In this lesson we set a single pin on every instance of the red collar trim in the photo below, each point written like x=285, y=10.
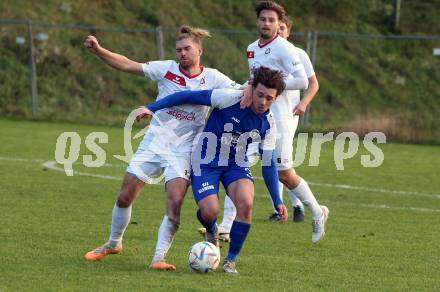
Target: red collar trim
x=271, y=40
x=191, y=76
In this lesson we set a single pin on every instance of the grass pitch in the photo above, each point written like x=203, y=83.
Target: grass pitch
x=382, y=234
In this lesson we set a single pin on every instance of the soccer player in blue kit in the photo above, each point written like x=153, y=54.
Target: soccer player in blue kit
x=219, y=153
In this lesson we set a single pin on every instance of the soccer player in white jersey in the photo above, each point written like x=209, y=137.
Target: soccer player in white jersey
x=166, y=147
x=277, y=53
x=299, y=107
x=287, y=123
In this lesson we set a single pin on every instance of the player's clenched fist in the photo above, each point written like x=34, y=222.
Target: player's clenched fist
x=246, y=100
x=143, y=113
x=92, y=44
x=300, y=109
x=282, y=210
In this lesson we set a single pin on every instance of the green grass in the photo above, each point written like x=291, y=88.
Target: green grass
x=375, y=240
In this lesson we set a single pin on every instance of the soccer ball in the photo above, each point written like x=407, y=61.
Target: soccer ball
x=203, y=257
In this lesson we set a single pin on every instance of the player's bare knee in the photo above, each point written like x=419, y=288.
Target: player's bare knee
x=244, y=208
x=289, y=178
x=209, y=217
x=247, y=205
x=209, y=213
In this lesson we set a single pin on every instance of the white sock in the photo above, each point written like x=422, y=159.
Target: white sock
x=229, y=213
x=303, y=192
x=120, y=219
x=165, y=237
x=281, y=188
x=295, y=201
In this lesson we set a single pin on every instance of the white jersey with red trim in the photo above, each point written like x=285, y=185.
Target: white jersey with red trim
x=277, y=54
x=174, y=129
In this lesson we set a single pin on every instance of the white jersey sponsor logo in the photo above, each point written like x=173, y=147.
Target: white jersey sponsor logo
x=190, y=119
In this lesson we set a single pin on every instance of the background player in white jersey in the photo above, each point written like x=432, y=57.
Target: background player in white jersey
x=277, y=53
x=274, y=52
x=156, y=155
x=299, y=107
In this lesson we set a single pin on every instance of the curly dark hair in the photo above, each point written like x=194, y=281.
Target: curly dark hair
x=270, y=5
x=269, y=78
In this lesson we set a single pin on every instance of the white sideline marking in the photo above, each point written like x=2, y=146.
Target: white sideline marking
x=375, y=190
x=20, y=159
x=368, y=189
x=53, y=165
x=374, y=206
x=40, y=160
x=397, y=208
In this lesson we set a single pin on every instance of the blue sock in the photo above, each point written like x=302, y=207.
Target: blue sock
x=239, y=232
x=211, y=227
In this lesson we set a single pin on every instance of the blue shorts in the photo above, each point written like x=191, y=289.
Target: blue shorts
x=208, y=182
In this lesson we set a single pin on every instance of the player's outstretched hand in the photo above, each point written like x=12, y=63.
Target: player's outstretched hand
x=282, y=210
x=300, y=109
x=246, y=100
x=143, y=113
x=91, y=43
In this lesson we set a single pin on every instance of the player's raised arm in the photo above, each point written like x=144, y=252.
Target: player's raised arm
x=116, y=61
x=200, y=97
x=219, y=98
x=224, y=82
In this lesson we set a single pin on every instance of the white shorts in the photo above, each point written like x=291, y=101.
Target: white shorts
x=151, y=167
x=284, y=143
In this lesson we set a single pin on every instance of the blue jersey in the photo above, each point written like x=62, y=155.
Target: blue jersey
x=234, y=129
x=228, y=132
x=229, y=129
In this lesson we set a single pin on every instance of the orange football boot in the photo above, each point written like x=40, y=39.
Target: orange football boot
x=162, y=266
x=100, y=252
